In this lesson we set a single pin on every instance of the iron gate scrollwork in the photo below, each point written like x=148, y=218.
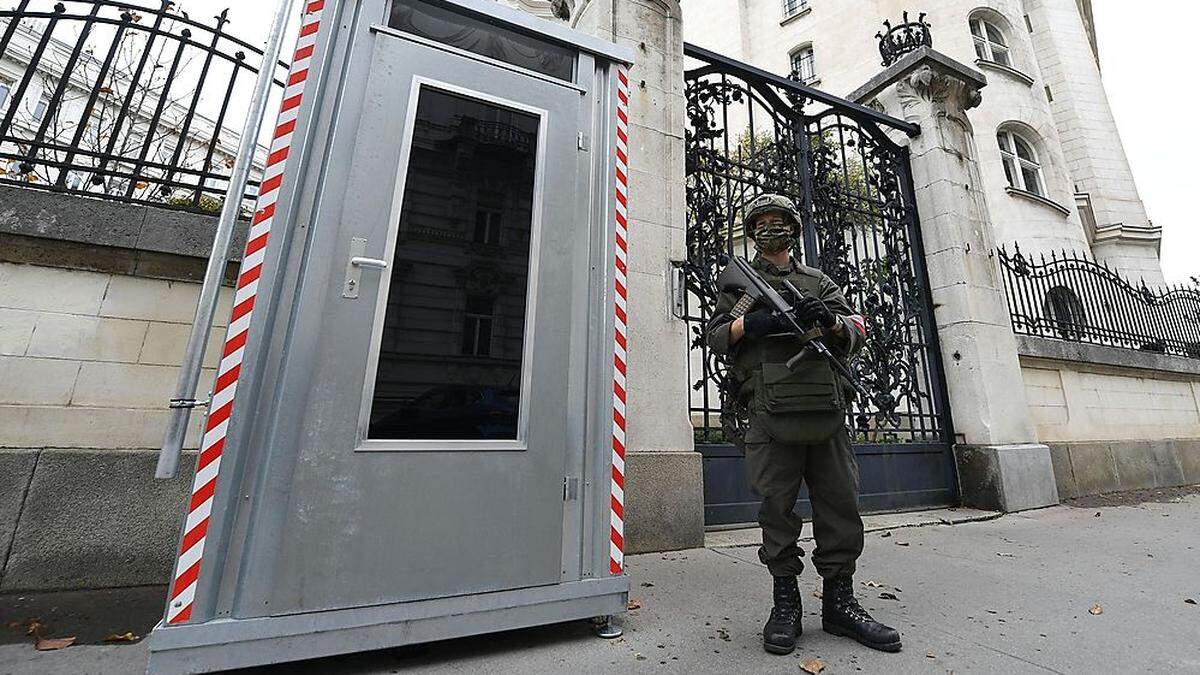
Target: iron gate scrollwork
x=749, y=132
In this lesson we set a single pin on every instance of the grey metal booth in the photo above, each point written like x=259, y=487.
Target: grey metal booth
x=421, y=443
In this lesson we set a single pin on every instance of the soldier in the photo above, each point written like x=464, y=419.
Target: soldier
x=797, y=432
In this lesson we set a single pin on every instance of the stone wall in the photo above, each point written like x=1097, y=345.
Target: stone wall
x=90, y=359
x=1114, y=419
x=96, y=301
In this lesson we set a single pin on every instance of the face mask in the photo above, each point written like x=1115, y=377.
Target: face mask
x=773, y=237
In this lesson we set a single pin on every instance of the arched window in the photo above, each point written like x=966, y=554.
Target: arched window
x=1021, y=165
x=1065, y=313
x=990, y=43
x=803, y=65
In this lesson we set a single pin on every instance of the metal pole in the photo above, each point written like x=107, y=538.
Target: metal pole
x=189, y=374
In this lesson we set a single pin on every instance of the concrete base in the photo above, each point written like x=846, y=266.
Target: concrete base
x=664, y=501
x=1006, y=477
x=1095, y=467
x=87, y=519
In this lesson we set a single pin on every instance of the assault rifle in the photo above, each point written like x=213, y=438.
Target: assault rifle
x=740, y=277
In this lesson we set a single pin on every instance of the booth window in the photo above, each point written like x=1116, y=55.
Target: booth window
x=453, y=338
x=441, y=24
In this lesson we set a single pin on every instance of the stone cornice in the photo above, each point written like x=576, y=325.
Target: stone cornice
x=933, y=71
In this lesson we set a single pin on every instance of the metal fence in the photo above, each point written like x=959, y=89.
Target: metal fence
x=123, y=101
x=1069, y=297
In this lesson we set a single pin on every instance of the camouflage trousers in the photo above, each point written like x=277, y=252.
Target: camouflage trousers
x=776, y=470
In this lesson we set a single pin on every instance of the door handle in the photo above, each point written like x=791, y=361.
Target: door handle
x=355, y=266
x=373, y=263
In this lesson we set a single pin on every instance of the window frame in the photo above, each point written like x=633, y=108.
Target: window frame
x=793, y=7
x=795, y=58
x=983, y=40
x=43, y=102
x=1015, y=173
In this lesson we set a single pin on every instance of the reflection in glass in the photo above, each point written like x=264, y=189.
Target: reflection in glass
x=454, y=328
x=430, y=20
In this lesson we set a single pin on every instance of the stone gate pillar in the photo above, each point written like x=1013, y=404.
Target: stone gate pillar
x=664, y=501
x=1000, y=463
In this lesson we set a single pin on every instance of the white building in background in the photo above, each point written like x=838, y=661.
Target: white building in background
x=1055, y=173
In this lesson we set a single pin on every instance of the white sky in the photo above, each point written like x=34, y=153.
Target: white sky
x=1148, y=58
x=1147, y=55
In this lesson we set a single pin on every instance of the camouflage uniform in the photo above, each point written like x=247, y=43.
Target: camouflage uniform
x=797, y=427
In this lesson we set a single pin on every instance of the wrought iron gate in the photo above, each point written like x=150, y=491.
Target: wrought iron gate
x=749, y=132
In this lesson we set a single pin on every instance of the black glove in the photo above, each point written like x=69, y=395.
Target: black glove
x=812, y=312
x=762, y=322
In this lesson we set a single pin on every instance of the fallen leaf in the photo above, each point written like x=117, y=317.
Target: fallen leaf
x=647, y=584
x=930, y=655
x=1190, y=601
x=127, y=636
x=873, y=584
x=888, y=596
x=902, y=543
x=885, y=535
x=639, y=657
x=50, y=644
x=1097, y=515
x=1096, y=610
x=1005, y=555
x=723, y=634
x=634, y=604
x=34, y=627
x=818, y=595
x=812, y=666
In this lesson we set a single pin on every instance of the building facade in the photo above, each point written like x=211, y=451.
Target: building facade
x=1055, y=174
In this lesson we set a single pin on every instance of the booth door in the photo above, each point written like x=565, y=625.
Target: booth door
x=431, y=458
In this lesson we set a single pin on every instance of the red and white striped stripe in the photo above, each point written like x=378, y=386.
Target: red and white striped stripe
x=191, y=550
x=617, y=547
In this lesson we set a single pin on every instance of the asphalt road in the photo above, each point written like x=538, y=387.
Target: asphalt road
x=1012, y=595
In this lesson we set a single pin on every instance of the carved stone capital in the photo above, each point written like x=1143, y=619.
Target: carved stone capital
x=928, y=92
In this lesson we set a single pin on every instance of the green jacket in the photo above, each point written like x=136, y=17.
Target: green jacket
x=806, y=405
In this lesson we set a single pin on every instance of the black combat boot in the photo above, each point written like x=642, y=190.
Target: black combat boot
x=842, y=615
x=782, y=629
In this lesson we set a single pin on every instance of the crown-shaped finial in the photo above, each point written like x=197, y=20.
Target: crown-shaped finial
x=897, y=41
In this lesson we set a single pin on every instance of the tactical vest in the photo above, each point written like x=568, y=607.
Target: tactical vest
x=802, y=406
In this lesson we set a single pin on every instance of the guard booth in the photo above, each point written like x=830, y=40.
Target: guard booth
x=413, y=435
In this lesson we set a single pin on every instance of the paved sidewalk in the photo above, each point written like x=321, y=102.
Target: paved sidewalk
x=1007, y=595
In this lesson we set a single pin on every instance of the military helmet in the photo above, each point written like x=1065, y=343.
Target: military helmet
x=765, y=203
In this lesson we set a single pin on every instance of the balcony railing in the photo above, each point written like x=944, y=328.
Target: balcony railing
x=1069, y=297
x=124, y=102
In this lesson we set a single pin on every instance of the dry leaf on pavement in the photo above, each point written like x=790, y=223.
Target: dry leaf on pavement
x=812, y=666
x=819, y=595
x=127, y=636
x=634, y=604
x=885, y=534
x=888, y=596
x=1005, y=555
x=902, y=543
x=930, y=655
x=1096, y=609
x=34, y=627
x=873, y=584
x=1190, y=601
x=50, y=644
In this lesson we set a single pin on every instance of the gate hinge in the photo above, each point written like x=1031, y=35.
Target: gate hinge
x=570, y=488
